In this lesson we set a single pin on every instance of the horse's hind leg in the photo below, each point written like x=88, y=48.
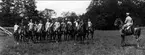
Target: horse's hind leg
x=138, y=40
x=87, y=35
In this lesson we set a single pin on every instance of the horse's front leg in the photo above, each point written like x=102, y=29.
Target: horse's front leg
x=55, y=36
x=123, y=40
x=20, y=37
x=87, y=35
x=58, y=36
x=63, y=34
x=46, y=36
x=92, y=34
x=138, y=40
x=39, y=37
x=66, y=38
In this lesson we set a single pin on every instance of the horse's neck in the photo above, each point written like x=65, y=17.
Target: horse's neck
x=120, y=26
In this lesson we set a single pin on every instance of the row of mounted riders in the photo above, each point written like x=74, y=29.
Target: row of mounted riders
x=70, y=32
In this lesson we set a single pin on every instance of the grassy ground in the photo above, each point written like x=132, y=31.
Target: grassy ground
x=104, y=43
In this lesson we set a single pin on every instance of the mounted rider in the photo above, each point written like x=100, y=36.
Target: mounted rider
x=57, y=25
x=35, y=26
x=31, y=25
x=81, y=23
x=89, y=24
x=30, y=29
x=63, y=25
x=21, y=27
x=76, y=24
x=47, y=25
x=69, y=26
x=39, y=26
x=69, y=23
x=128, y=22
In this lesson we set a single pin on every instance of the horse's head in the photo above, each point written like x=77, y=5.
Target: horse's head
x=118, y=23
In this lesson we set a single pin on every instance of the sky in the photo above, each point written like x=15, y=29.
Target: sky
x=60, y=6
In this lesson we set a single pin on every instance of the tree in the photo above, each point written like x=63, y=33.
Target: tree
x=48, y=13
x=65, y=14
x=14, y=10
x=70, y=15
x=108, y=10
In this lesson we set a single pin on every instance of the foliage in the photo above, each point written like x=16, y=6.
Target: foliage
x=110, y=9
x=70, y=15
x=47, y=13
x=15, y=10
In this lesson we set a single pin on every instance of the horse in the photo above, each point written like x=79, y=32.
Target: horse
x=89, y=31
x=63, y=30
x=30, y=32
x=40, y=32
x=16, y=34
x=75, y=30
x=35, y=37
x=69, y=32
x=133, y=30
x=48, y=33
x=21, y=34
x=82, y=31
x=52, y=32
x=56, y=33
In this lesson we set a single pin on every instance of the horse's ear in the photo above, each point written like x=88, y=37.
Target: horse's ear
x=115, y=22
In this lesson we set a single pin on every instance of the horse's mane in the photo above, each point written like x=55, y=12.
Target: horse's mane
x=118, y=22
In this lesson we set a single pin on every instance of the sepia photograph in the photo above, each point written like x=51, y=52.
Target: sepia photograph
x=72, y=27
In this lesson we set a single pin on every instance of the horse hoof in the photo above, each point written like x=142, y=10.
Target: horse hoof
x=138, y=46
x=123, y=44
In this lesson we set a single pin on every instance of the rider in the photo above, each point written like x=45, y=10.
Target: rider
x=35, y=26
x=89, y=23
x=57, y=25
x=16, y=26
x=30, y=25
x=128, y=21
x=63, y=23
x=69, y=22
x=76, y=23
x=81, y=22
x=39, y=26
x=47, y=25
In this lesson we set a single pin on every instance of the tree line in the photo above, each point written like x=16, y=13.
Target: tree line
x=12, y=11
x=104, y=12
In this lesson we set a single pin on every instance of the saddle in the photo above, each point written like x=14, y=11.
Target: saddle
x=63, y=29
x=129, y=30
x=56, y=29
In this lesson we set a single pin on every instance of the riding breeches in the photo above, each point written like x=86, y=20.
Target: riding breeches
x=127, y=25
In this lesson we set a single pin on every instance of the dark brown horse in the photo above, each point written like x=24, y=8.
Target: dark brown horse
x=134, y=30
x=63, y=30
x=82, y=31
x=89, y=31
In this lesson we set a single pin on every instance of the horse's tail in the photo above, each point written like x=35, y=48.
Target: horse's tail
x=138, y=31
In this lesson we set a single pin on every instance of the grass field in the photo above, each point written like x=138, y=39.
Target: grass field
x=104, y=43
